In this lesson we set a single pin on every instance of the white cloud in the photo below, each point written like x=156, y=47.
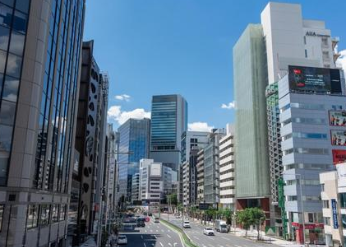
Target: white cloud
x=116, y=114
x=230, y=105
x=200, y=126
x=123, y=97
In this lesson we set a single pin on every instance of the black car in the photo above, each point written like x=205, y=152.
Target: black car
x=150, y=214
x=140, y=223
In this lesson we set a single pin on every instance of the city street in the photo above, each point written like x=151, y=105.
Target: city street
x=152, y=235
x=195, y=233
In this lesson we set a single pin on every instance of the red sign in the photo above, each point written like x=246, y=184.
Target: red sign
x=308, y=226
x=339, y=156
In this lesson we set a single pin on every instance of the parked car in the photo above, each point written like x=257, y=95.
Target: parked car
x=157, y=220
x=208, y=231
x=186, y=224
x=122, y=239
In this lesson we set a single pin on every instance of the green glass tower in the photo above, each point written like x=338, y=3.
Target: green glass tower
x=250, y=81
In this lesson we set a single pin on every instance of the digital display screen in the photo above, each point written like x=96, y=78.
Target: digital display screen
x=314, y=80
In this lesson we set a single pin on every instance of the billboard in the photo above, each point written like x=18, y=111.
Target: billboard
x=335, y=214
x=314, y=80
x=337, y=118
x=339, y=156
x=338, y=137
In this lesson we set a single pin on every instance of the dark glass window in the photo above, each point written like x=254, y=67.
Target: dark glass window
x=2, y=207
x=32, y=216
x=14, y=64
x=8, y=2
x=10, y=89
x=7, y=112
x=5, y=15
x=2, y=61
x=342, y=200
x=343, y=219
x=44, y=215
x=5, y=138
x=23, y=5
x=4, y=35
x=19, y=22
x=17, y=43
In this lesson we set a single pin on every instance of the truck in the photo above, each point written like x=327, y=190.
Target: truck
x=221, y=226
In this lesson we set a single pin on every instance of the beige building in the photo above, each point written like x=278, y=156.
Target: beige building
x=333, y=196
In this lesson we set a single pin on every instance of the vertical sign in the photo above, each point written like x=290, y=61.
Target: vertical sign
x=335, y=214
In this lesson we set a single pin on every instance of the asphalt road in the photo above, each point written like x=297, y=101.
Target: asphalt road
x=152, y=235
x=195, y=233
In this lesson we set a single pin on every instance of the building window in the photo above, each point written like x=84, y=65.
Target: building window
x=326, y=221
x=343, y=220
x=55, y=213
x=2, y=207
x=342, y=200
x=306, y=53
x=44, y=215
x=304, y=40
x=324, y=41
x=62, y=212
x=32, y=216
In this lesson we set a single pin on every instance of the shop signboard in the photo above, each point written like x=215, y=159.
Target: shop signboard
x=335, y=214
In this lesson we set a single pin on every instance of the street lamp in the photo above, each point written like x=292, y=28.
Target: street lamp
x=301, y=200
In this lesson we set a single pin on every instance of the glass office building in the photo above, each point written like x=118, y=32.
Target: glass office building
x=133, y=146
x=40, y=49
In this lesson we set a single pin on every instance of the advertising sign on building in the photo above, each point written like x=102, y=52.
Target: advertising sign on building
x=335, y=214
x=337, y=118
x=314, y=80
x=338, y=137
x=339, y=156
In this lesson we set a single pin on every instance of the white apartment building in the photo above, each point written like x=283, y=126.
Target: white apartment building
x=333, y=196
x=227, y=166
x=154, y=180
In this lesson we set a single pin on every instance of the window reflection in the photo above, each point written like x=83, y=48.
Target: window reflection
x=22, y=5
x=5, y=138
x=19, y=22
x=17, y=43
x=4, y=34
x=5, y=15
x=10, y=89
x=7, y=112
x=8, y=2
x=2, y=61
x=14, y=64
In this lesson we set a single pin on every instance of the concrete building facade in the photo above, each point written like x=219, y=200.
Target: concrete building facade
x=227, y=170
x=37, y=118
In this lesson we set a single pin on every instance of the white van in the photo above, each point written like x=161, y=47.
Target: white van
x=186, y=224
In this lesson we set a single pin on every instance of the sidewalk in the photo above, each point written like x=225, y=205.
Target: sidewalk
x=89, y=243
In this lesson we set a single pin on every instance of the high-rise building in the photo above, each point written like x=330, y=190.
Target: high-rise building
x=91, y=142
x=168, y=122
x=312, y=116
x=134, y=143
x=200, y=176
x=151, y=182
x=227, y=170
x=135, y=189
x=250, y=81
x=212, y=167
x=40, y=52
x=191, y=143
x=290, y=40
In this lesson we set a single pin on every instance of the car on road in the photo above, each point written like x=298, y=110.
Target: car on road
x=208, y=231
x=157, y=220
x=122, y=239
x=186, y=224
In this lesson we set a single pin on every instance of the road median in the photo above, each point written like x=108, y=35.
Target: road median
x=187, y=241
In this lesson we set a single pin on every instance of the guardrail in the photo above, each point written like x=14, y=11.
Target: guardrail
x=187, y=241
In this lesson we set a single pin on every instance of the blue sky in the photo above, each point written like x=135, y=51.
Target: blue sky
x=152, y=47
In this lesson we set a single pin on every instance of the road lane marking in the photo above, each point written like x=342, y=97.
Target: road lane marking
x=169, y=244
x=225, y=238
x=196, y=237
x=175, y=244
x=169, y=236
x=161, y=244
x=145, y=245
